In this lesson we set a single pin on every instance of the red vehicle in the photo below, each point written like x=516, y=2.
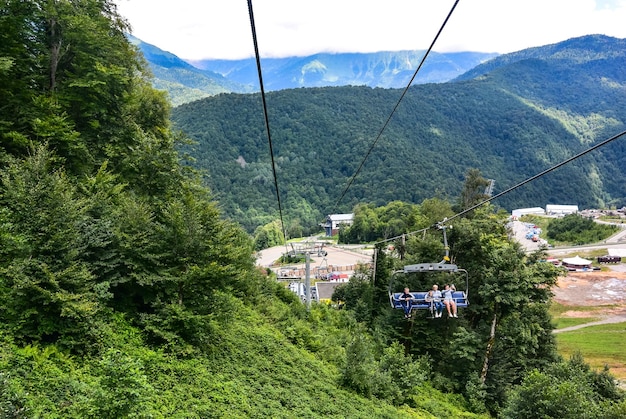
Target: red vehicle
x=337, y=276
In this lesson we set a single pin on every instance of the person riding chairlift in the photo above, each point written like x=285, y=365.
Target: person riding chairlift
x=406, y=301
x=434, y=298
x=448, y=300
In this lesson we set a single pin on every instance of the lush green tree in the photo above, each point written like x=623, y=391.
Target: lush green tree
x=48, y=291
x=508, y=303
x=68, y=83
x=566, y=390
x=379, y=223
x=576, y=229
x=364, y=225
x=269, y=235
x=393, y=376
x=357, y=294
x=473, y=191
x=98, y=212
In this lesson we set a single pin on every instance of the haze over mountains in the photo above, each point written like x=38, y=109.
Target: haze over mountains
x=519, y=115
x=189, y=81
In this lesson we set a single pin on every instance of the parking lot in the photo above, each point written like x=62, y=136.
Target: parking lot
x=338, y=258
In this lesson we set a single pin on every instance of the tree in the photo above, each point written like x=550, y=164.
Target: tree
x=70, y=74
x=473, y=191
x=566, y=390
x=47, y=289
x=268, y=235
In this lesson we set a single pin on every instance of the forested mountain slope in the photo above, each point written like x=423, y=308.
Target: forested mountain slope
x=596, y=48
x=182, y=81
x=511, y=123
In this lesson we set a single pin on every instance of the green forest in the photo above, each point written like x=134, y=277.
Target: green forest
x=125, y=292
x=522, y=118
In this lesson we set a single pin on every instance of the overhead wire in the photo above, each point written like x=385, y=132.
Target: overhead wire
x=512, y=188
x=404, y=92
x=267, y=122
x=437, y=225
x=538, y=175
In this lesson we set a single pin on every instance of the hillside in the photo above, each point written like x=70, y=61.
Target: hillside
x=590, y=48
x=511, y=123
x=124, y=293
x=183, y=82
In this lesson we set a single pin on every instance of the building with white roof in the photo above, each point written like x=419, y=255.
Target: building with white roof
x=334, y=221
x=516, y=213
x=561, y=209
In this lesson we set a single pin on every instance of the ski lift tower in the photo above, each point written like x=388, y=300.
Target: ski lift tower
x=307, y=250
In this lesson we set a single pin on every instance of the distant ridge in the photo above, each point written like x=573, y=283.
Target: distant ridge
x=575, y=50
x=187, y=81
x=183, y=82
x=388, y=69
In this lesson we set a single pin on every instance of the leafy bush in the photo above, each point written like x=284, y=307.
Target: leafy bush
x=576, y=229
x=566, y=390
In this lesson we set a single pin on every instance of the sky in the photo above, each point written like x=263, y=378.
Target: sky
x=203, y=29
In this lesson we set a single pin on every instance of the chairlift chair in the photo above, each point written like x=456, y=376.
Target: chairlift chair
x=420, y=302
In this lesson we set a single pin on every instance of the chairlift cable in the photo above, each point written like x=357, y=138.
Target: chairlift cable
x=404, y=92
x=535, y=177
x=267, y=122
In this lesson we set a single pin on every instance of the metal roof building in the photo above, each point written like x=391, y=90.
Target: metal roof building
x=561, y=209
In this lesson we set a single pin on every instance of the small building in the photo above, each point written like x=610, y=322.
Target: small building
x=617, y=252
x=517, y=213
x=335, y=221
x=561, y=209
x=577, y=264
x=325, y=291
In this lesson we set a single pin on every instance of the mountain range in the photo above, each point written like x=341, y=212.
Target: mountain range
x=517, y=116
x=183, y=82
x=186, y=81
x=389, y=69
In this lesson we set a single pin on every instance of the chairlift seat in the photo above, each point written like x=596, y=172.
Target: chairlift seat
x=420, y=303
x=460, y=298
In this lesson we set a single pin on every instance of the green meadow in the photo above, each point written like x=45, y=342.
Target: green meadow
x=600, y=345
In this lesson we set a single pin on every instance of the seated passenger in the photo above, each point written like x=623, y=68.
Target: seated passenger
x=406, y=301
x=434, y=298
x=448, y=300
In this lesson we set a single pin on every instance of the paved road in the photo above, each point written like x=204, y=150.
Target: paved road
x=336, y=256
x=617, y=237
x=608, y=320
x=616, y=241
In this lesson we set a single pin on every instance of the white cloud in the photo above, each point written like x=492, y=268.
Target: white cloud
x=197, y=29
